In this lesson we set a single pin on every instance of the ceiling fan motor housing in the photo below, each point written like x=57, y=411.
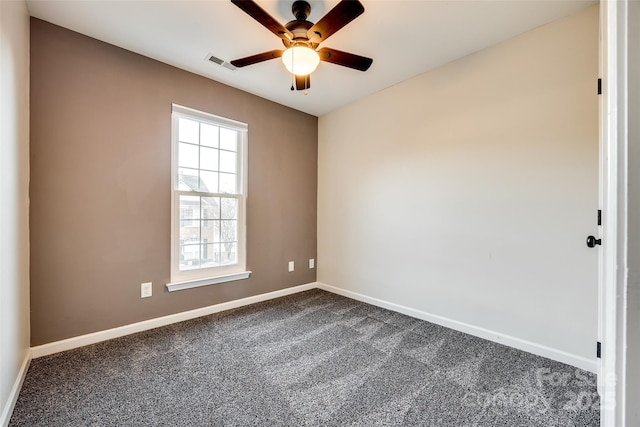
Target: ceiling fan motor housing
x=299, y=27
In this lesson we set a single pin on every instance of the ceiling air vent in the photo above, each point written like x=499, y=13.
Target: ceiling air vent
x=221, y=62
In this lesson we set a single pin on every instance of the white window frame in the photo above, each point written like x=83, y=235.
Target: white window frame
x=212, y=275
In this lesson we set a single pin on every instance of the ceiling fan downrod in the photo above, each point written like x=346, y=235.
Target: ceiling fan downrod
x=301, y=9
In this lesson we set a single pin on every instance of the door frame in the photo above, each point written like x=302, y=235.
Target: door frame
x=616, y=195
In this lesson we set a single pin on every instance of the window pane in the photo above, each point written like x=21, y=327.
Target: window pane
x=228, y=139
x=209, y=182
x=189, y=205
x=188, y=155
x=229, y=208
x=210, y=207
x=229, y=253
x=228, y=183
x=210, y=256
x=208, y=135
x=189, y=257
x=208, y=158
x=210, y=231
x=188, y=179
x=228, y=231
x=227, y=161
x=188, y=131
x=189, y=232
x=216, y=253
x=216, y=231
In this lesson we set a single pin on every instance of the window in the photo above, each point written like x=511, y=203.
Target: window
x=208, y=240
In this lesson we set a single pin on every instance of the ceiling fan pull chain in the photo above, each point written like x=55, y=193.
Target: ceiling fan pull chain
x=293, y=76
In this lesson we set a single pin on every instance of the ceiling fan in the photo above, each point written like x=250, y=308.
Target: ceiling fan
x=301, y=39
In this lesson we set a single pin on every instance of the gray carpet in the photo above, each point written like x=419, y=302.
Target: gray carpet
x=310, y=359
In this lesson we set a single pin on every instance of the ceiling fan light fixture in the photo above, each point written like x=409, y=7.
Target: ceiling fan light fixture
x=300, y=60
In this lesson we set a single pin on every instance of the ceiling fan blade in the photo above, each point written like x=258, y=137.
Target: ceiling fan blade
x=254, y=59
x=303, y=82
x=345, y=59
x=344, y=12
x=252, y=9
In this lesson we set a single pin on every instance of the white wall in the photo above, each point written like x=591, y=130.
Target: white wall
x=14, y=202
x=468, y=191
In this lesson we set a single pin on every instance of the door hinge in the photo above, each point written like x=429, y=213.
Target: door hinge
x=599, y=86
x=598, y=349
x=599, y=216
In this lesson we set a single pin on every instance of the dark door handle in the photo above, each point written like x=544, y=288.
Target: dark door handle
x=592, y=241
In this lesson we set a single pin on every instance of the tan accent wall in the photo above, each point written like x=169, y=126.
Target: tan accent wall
x=100, y=186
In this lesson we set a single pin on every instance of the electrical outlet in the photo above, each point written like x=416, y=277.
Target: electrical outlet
x=312, y=263
x=146, y=289
x=291, y=266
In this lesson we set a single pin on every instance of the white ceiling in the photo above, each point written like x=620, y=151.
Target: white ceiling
x=404, y=37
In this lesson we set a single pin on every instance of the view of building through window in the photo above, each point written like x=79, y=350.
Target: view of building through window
x=208, y=231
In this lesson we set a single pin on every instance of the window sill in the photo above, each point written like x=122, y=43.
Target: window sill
x=178, y=286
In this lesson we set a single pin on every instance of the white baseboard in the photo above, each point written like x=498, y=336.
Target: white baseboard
x=7, y=411
x=520, y=344
x=528, y=346
x=81, y=341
